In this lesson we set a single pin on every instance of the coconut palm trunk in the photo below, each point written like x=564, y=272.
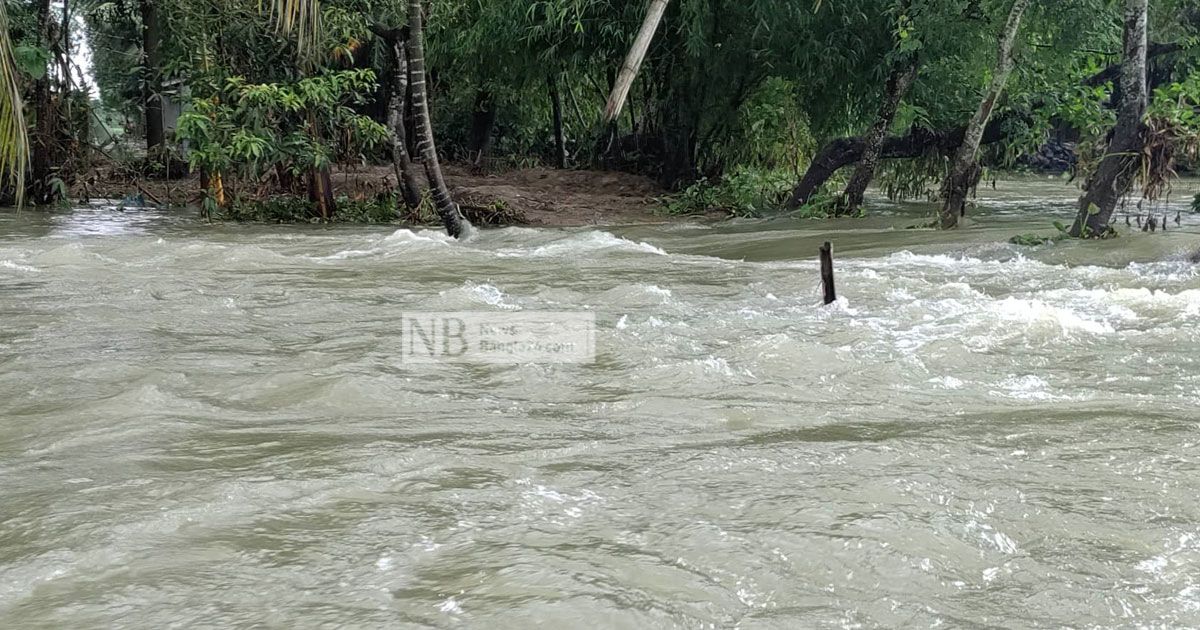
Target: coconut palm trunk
x=152, y=60
x=406, y=171
x=964, y=169
x=14, y=143
x=1120, y=164
x=43, y=134
x=451, y=216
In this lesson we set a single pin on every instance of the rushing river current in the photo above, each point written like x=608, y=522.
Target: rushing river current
x=208, y=426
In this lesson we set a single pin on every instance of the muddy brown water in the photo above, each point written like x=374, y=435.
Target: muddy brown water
x=208, y=426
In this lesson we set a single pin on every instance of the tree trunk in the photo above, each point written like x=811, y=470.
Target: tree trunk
x=320, y=191
x=633, y=61
x=212, y=184
x=560, y=142
x=483, y=121
x=14, y=151
x=406, y=171
x=65, y=36
x=287, y=181
x=964, y=169
x=679, y=149
x=1120, y=163
x=1113, y=72
x=152, y=64
x=842, y=152
x=451, y=216
x=42, y=142
x=900, y=79
x=916, y=143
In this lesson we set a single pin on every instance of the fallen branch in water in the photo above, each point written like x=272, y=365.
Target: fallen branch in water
x=149, y=195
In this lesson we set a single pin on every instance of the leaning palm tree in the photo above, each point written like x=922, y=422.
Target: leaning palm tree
x=449, y=211
x=14, y=143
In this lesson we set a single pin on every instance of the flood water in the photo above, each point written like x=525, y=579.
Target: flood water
x=209, y=426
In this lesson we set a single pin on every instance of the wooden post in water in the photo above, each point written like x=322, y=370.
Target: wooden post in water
x=827, y=273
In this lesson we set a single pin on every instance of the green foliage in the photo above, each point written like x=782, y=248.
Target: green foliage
x=822, y=206
x=771, y=131
x=274, y=209
x=760, y=84
x=734, y=96
x=31, y=60
x=745, y=192
x=1176, y=106
x=114, y=37
x=1033, y=240
x=380, y=209
x=1086, y=232
x=912, y=179
x=299, y=209
x=249, y=129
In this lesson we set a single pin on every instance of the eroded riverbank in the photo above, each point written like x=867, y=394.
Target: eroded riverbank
x=534, y=197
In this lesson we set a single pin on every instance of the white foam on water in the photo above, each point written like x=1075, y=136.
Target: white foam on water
x=636, y=296
x=907, y=258
x=347, y=254
x=587, y=242
x=654, y=289
x=1180, y=553
x=539, y=502
x=1173, y=271
x=491, y=295
x=839, y=307
x=15, y=266
x=399, y=241
x=427, y=545
x=470, y=296
x=421, y=237
x=1027, y=387
x=948, y=382
x=469, y=232
x=1030, y=311
x=967, y=265
x=450, y=606
x=1132, y=303
x=716, y=365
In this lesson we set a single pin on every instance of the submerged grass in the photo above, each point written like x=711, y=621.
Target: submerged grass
x=746, y=192
x=384, y=208
x=299, y=209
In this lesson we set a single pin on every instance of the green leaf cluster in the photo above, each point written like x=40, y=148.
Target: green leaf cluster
x=249, y=129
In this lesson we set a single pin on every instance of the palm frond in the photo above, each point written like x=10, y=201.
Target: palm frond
x=14, y=143
x=301, y=18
